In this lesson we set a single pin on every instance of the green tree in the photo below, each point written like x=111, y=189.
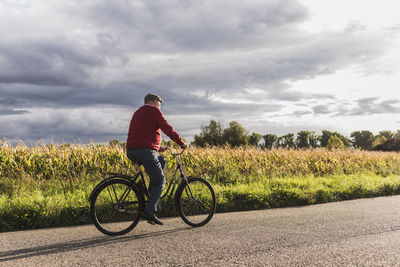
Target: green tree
x=382, y=137
x=198, y=140
x=389, y=145
x=287, y=141
x=303, y=139
x=254, y=139
x=235, y=135
x=387, y=134
x=362, y=139
x=379, y=139
x=324, y=138
x=210, y=135
x=280, y=141
x=270, y=140
x=335, y=142
x=326, y=135
x=313, y=140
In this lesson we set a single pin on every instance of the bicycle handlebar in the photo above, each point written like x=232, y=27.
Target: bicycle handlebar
x=176, y=154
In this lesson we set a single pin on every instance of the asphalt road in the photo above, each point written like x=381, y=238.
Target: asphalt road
x=357, y=233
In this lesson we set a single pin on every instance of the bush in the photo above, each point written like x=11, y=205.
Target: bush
x=335, y=142
x=389, y=145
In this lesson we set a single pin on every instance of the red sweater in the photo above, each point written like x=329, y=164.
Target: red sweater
x=144, y=130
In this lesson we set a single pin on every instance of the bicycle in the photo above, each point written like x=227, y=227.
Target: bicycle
x=118, y=202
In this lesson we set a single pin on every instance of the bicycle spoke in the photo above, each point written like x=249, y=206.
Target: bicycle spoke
x=116, y=198
x=124, y=195
x=108, y=189
x=191, y=197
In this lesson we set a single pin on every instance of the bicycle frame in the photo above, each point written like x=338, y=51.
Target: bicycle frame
x=139, y=177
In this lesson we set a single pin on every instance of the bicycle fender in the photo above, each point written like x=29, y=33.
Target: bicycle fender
x=183, y=182
x=104, y=181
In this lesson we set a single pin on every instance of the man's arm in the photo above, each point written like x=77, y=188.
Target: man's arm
x=169, y=130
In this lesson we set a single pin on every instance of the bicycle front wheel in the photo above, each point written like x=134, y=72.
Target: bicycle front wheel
x=195, y=201
x=116, y=207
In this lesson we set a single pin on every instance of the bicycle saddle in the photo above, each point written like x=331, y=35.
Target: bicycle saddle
x=136, y=162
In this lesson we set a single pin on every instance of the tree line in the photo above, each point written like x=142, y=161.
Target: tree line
x=236, y=135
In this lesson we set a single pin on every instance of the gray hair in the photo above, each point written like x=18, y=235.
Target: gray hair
x=152, y=97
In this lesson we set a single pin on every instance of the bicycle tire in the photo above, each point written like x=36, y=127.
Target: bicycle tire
x=113, y=213
x=199, y=211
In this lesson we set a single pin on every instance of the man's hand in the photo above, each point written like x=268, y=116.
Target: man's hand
x=162, y=149
x=183, y=146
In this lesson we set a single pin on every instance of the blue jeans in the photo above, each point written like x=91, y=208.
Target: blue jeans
x=154, y=165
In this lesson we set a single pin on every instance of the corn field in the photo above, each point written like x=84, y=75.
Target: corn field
x=219, y=165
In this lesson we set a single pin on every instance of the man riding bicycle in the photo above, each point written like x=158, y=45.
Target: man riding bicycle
x=143, y=143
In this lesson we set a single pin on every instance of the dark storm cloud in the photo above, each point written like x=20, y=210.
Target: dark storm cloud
x=361, y=107
x=63, y=124
x=180, y=25
x=10, y=102
x=9, y=106
x=115, y=94
x=299, y=113
x=45, y=63
x=224, y=109
x=12, y=111
x=321, y=109
x=372, y=105
x=267, y=69
x=295, y=96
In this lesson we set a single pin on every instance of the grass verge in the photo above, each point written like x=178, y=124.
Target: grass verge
x=29, y=209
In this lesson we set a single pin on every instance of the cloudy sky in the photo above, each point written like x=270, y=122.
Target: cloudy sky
x=76, y=70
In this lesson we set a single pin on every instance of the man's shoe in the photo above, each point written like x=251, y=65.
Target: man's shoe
x=151, y=218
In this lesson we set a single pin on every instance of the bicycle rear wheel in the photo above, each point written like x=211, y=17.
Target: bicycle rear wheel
x=195, y=201
x=116, y=207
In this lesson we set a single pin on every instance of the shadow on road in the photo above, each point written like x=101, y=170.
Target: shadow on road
x=78, y=244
